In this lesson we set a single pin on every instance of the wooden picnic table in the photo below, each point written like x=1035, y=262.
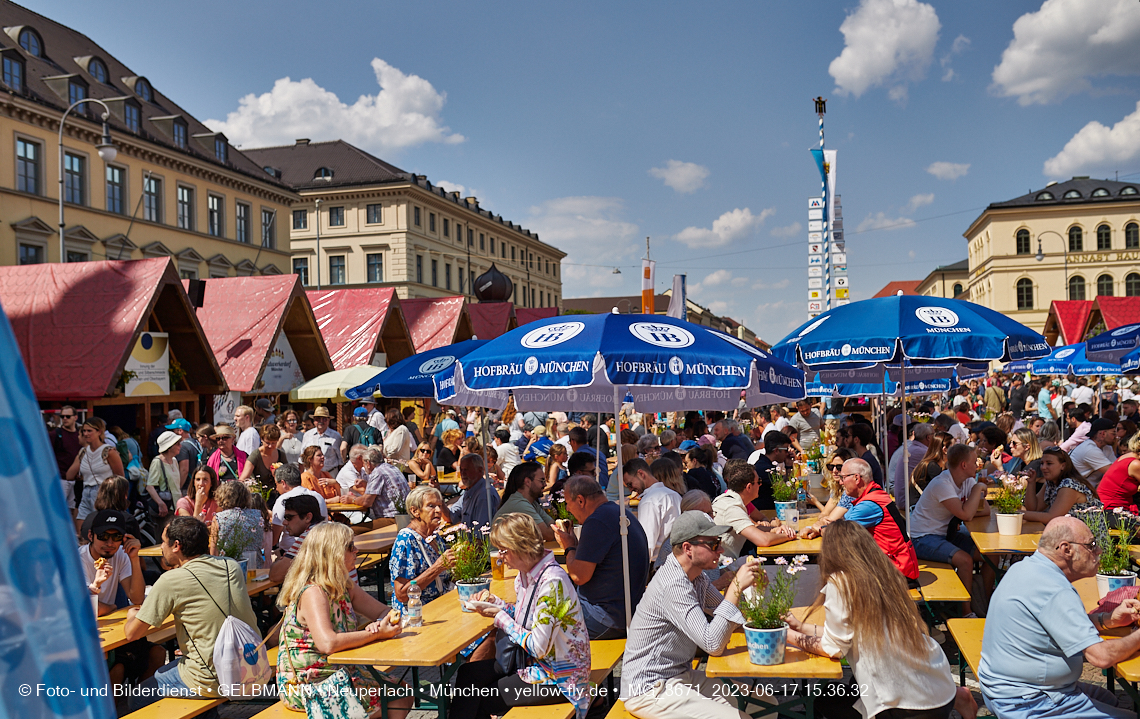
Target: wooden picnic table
x=344, y=507
x=795, y=546
x=984, y=532
x=377, y=541
x=113, y=627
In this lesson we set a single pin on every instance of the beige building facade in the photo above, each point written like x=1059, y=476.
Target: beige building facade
x=1075, y=240
x=945, y=281
x=362, y=222
x=174, y=187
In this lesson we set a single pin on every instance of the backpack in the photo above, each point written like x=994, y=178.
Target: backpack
x=369, y=436
x=240, y=659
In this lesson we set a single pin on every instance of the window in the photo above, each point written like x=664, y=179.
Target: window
x=420, y=269
x=1103, y=238
x=1044, y=196
x=1132, y=236
x=1076, y=287
x=30, y=41
x=116, y=189
x=76, y=91
x=220, y=149
x=27, y=166
x=1023, y=243
x=446, y=227
x=1076, y=239
x=33, y=254
x=435, y=273
x=375, y=267
x=300, y=219
x=336, y=217
x=447, y=276
x=471, y=283
x=416, y=216
x=14, y=73
x=336, y=270
x=1025, y=293
x=548, y=267
x=323, y=173
x=492, y=245
x=470, y=237
x=1128, y=190
x=512, y=254
x=215, y=224
x=1100, y=192
x=97, y=69
x=241, y=229
x=1104, y=286
x=75, y=179
x=458, y=232
x=188, y=275
x=131, y=117
x=73, y=256
x=556, y=274
x=375, y=214
x=503, y=248
x=957, y=288
x=431, y=221
x=1071, y=195
x=142, y=89
x=152, y=199
x=1132, y=285
x=268, y=231
x=301, y=269
x=185, y=207
x=482, y=246
x=180, y=134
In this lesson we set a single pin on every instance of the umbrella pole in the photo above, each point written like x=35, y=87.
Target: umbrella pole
x=486, y=467
x=623, y=521
x=883, y=428
x=906, y=452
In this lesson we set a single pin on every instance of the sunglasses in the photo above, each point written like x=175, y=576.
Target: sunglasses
x=351, y=547
x=425, y=451
x=835, y=467
x=67, y=416
x=289, y=516
x=711, y=544
x=109, y=537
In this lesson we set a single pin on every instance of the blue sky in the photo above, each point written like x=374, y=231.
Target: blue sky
x=599, y=123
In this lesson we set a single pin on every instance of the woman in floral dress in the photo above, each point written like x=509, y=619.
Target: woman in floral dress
x=321, y=606
x=1063, y=491
x=419, y=553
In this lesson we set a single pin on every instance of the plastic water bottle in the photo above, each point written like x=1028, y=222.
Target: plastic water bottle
x=414, y=608
x=801, y=496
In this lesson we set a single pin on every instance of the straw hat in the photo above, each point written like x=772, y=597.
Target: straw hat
x=224, y=430
x=321, y=411
x=168, y=439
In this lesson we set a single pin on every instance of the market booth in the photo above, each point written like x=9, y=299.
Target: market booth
x=361, y=326
x=1065, y=324
x=527, y=315
x=264, y=335
x=117, y=338
x=437, y=321
x=491, y=319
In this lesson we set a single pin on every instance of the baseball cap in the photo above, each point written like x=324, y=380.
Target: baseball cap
x=106, y=519
x=1100, y=424
x=687, y=445
x=693, y=524
x=359, y=412
x=264, y=404
x=181, y=424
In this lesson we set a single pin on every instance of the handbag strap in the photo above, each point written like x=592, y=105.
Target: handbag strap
x=533, y=594
x=423, y=548
x=211, y=596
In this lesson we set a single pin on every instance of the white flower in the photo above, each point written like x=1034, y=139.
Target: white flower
x=781, y=560
x=800, y=559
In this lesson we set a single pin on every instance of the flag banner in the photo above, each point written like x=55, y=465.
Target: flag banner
x=647, y=267
x=678, y=308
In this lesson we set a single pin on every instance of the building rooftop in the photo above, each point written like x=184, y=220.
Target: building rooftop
x=959, y=266
x=1078, y=190
x=908, y=287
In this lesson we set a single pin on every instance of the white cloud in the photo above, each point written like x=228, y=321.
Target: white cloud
x=713, y=280
x=887, y=42
x=1096, y=147
x=739, y=281
x=730, y=226
x=1056, y=50
x=592, y=231
x=780, y=285
x=718, y=307
x=948, y=170
x=960, y=44
x=453, y=187
x=404, y=113
x=919, y=201
x=880, y=221
x=684, y=177
x=787, y=230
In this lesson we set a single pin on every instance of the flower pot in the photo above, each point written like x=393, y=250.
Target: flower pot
x=402, y=521
x=1009, y=524
x=1106, y=583
x=787, y=513
x=467, y=590
x=766, y=646
x=244, y=564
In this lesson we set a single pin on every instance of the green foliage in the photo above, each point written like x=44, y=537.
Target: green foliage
x=766, y=610
x=783, y=487
x=1011, y=494
x=472, y=553
x=1115, y=557
x=557, y=610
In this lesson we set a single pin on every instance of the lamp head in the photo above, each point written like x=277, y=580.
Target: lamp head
x=107, y=150
x=1040, y=255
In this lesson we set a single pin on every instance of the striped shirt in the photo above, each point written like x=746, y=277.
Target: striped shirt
x=670, y=626
x=295, y=548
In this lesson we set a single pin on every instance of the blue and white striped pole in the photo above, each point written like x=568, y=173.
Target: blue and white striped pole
x=820, y=108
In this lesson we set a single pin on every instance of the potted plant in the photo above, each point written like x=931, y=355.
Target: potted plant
x=241, y=543
x=1114, y=570
x=765, y=630
x=784, y=493
x=402, y=516
x=472, y=556
x=1008, y=502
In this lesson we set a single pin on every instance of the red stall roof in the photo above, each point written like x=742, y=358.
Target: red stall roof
x=76, y=324
x=490, y=319
x=530, y=314
x=242, y=317
x=1066, y=321
x=437, y=321
x=357, y=323
x=1113, y=312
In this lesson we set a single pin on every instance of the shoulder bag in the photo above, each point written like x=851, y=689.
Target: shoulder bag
x=510, y=657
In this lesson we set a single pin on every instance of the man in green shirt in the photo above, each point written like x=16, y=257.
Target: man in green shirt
x=524, y=488
x=202, y=591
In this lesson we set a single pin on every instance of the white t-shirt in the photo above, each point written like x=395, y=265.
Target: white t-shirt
x=781, y=424
x=930, y=516
x=399, y=444
x=1088, y=458
x=329, y=442
x=249, y=440
x=348, y=476
x=120, y=571
x=279, y=505
x=1083, y=395
x=658, y=508
x=508, y=455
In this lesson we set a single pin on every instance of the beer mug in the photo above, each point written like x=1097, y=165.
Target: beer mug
x=496, y=565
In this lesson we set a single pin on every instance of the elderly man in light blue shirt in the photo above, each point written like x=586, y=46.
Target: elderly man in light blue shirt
x=1038, y=635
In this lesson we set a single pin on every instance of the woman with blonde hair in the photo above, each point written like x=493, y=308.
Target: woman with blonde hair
x=449, y=451
x=321, y=605
x=837, y=503
x=314, y=476
x=1024, y=450
x=668, y=473
x=872, y=621
x=556, y=472
x=421, y=465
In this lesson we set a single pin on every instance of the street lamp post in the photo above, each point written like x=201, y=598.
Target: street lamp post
x=1064, y=244
x=107, y=151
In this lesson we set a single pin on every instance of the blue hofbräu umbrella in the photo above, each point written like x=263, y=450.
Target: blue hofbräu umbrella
x=1112, y=345
x=412, y=377
x=590, y=362
x=908, y=330
x=1130, y=362
x=1067, y=360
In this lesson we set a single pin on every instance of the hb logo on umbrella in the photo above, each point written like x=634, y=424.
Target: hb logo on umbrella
x=551, y=335
x=662, y=335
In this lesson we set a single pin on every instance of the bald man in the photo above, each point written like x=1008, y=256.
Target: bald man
x=1038, y=634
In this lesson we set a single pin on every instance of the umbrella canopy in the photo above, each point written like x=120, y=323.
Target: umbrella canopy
x=924, y=330
x=333, y=385
x=1111, y=346
x=917, y=387
x=576, y=364
x=412, y=377
x=1067, y=360
x=1130, y=363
